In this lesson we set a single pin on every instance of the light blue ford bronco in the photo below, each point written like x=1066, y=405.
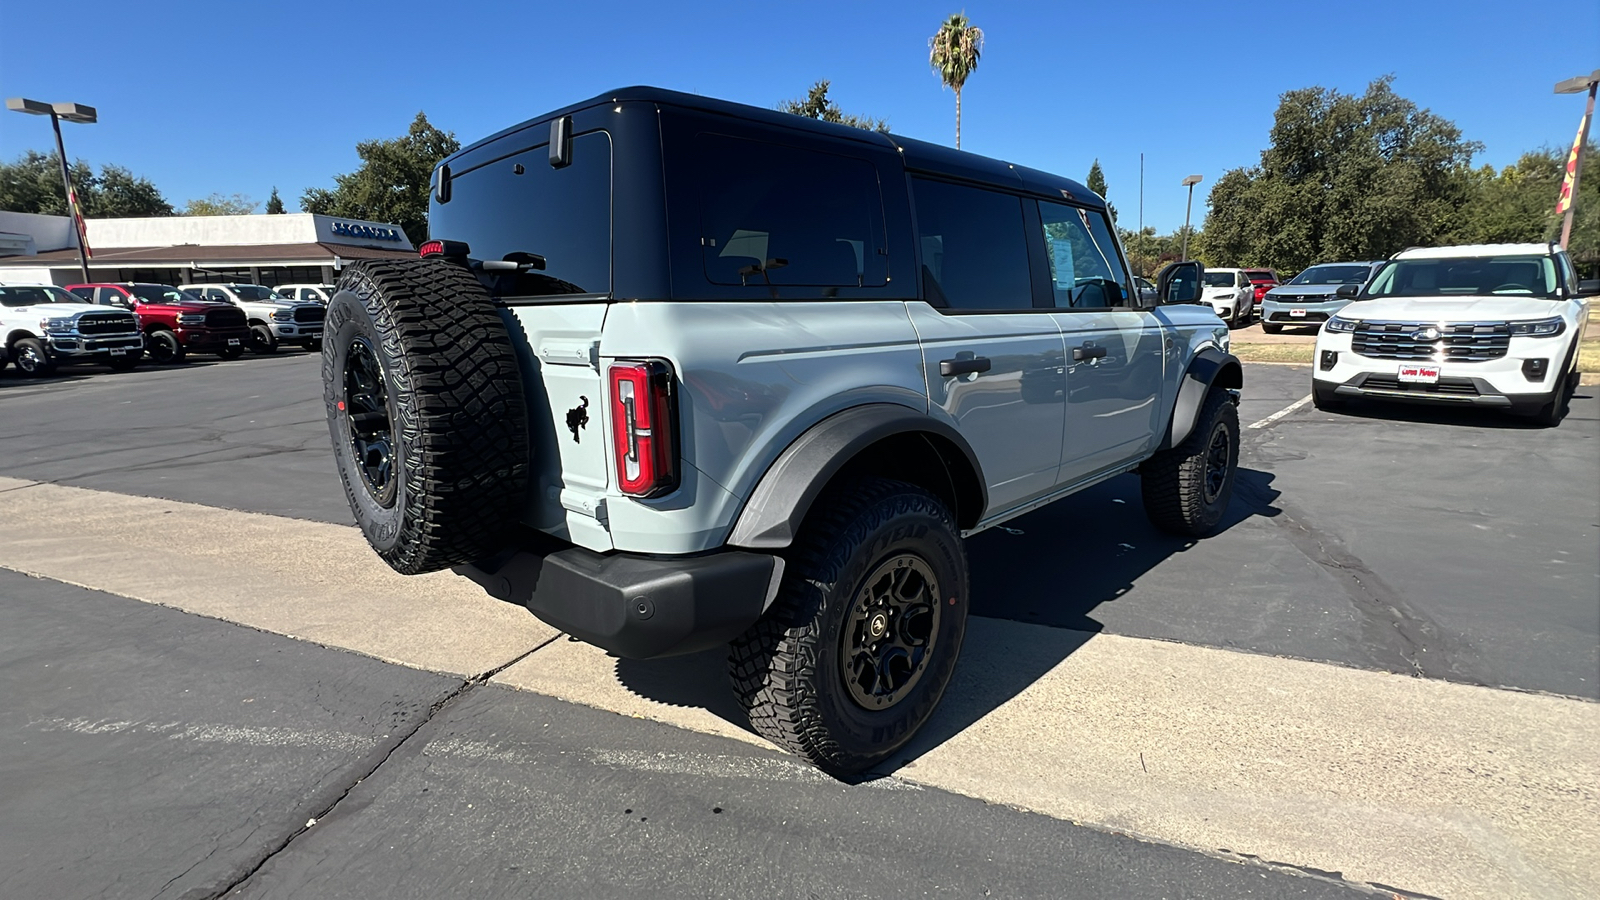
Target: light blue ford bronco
x=675, y=373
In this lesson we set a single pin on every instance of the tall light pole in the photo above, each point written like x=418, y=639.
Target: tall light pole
x=1569, y=183
x=72, y=112
x=1189, y=183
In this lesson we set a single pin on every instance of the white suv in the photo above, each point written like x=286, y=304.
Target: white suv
x=1487, y=325
x=1231, y=294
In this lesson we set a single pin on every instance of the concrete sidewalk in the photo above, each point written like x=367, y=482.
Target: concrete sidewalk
x=1435, y=788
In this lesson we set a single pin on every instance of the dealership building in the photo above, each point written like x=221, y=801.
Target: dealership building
x=296, y=248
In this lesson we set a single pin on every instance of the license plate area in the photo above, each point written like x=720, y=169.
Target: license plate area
x=1297, y=313
x=233, y=342
x=1419, y=374
x=119, y=351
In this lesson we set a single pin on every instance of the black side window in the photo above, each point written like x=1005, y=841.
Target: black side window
x=974, y=247
x=1085, y=272
x=87, y=293
x=772, y=214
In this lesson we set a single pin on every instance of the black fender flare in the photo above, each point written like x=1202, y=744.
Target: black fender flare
x=772, y=514
x=1210, y=367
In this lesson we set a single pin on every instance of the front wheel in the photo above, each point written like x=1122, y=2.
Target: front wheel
x=262, y=340
x=164, y=347
x=860, y=644
x=1186, y=489
x=1270, y=328
x=32, y=358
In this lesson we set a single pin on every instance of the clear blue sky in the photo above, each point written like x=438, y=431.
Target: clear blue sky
x=240, y=96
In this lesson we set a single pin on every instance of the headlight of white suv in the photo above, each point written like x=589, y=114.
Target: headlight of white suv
x=1540, y=327
x=1335, y=323
x=56, y=324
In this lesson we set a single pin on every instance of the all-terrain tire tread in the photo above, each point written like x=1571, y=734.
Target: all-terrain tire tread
x=774, y=664
x=1172, y=482
x=466, y=458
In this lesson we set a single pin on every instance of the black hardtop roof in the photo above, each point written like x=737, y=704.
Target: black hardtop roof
x=918, y=155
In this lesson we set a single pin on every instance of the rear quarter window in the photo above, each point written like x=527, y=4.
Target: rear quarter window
x=780, y=215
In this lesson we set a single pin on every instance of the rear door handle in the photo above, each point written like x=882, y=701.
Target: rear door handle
x=979, y=364
x=1079, y=354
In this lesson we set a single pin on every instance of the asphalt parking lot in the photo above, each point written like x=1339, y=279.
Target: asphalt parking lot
x=177, y=755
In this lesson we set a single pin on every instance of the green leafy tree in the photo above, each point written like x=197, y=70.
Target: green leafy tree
x=392, y=183
x=274, y=203
x=219, y=205
x=953, y=52
x=32, y=184
x=1344, y=177
x=1517, y=204
x=816, y=105
x=1097, y=182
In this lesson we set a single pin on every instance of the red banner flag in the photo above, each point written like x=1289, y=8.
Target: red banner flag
x=1564, y=199
x=77, y=221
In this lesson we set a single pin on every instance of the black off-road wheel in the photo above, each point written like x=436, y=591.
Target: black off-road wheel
x=860, y=644
x=164, y=347
x=262, y=340
x=32, y=358
x=426, y=411
x=1186, y=489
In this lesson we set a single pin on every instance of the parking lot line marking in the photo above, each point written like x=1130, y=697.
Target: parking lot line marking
x=1282, y=412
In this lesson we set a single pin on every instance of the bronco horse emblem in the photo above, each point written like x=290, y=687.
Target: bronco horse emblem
x=578, y=417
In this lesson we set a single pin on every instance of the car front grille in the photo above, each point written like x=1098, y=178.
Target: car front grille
x=1455, y=387
x=1302, y=298
x=309, y=314
x=1457, y=342
x=231, y=317
x=107, y=323
x=1284, y=317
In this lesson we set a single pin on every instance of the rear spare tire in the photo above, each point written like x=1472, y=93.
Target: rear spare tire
x=426, y=411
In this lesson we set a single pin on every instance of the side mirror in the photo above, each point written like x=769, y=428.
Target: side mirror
x=1180, y=283
x=1348, y=291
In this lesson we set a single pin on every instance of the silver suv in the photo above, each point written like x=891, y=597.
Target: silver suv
x=677, y=373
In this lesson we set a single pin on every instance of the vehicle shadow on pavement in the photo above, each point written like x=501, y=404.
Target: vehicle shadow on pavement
x=1052, y=567
x=1453, y=416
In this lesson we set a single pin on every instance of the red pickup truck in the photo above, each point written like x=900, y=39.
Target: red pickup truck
x=175, y=322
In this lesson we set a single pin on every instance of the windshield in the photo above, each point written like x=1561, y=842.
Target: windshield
x=256, y=292
x=1334, y=274
x=1219, y=279
x=1520, y=276
x=160, y=293
x=29, y=296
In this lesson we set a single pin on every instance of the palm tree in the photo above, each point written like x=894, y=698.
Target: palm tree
x=953, y=52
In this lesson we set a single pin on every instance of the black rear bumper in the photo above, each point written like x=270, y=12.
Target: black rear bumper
x=635, y=606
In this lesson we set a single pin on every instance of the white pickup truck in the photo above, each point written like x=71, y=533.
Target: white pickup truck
x=45, y=326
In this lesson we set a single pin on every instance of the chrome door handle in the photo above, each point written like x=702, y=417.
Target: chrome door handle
x=978, y=364
x=1080, y=354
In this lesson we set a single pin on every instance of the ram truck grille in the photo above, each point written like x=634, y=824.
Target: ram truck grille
x=225, y=318
x=107, y=323
x=1457, y=342
x=308, y=314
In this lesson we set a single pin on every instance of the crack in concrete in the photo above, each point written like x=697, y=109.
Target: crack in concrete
x=382, y=755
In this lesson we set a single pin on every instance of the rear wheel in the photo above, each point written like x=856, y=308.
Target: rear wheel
x=1186, y=489
x=164, y=347
x=425, y=407
x=860, y=644
x=32, y=358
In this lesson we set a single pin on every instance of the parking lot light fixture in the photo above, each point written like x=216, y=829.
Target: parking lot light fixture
x=1189, y=183
x=1569, y=182
x=72, y=112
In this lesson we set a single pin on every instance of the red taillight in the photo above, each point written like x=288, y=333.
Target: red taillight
x=643, y=420
x=447, y=249
x=431, y=248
